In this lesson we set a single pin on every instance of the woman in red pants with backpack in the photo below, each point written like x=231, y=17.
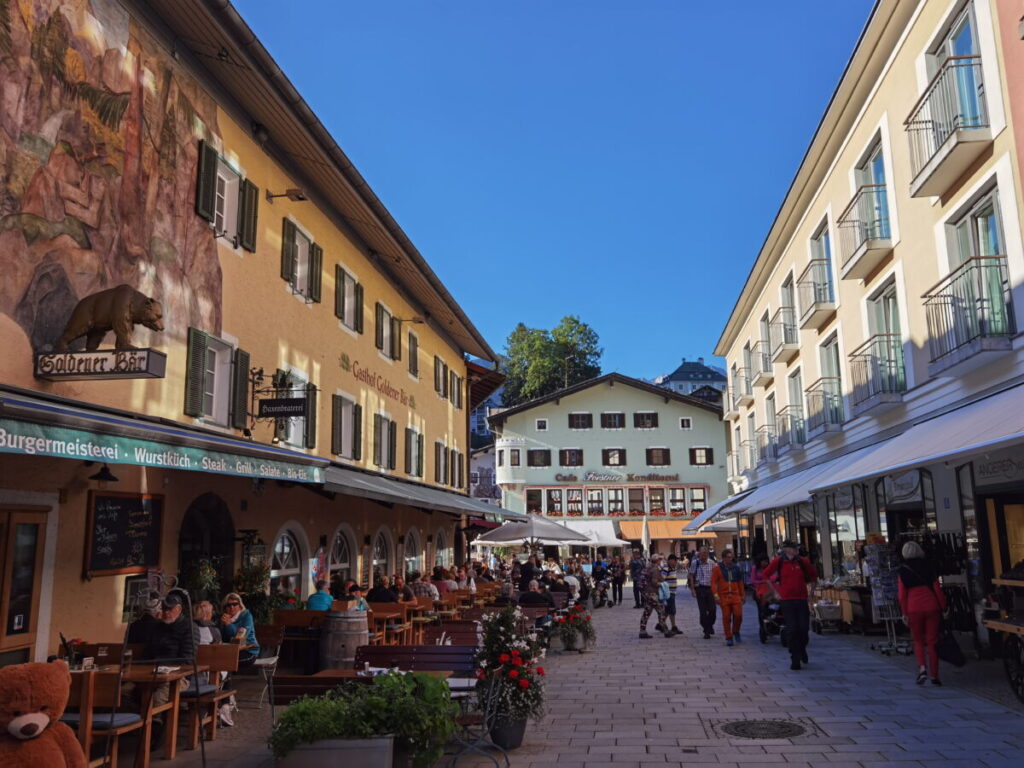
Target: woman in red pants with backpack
x=922, y=604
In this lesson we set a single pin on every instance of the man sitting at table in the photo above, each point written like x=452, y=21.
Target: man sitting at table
x=321, y=599
x=536, y=597
x=382, y=592
x=421, y=587
x=404, y=591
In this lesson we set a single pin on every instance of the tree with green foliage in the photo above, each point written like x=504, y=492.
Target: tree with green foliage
x=538, y=362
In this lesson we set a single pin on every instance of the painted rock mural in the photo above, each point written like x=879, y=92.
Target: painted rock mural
x=99, y=132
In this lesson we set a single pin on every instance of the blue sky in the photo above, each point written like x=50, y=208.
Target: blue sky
x=621, y=161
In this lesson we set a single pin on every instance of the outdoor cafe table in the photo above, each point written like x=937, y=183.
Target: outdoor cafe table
x=418, y=617
x=356, y=674
x=381, y=618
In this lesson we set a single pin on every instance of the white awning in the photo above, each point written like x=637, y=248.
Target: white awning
x=600, y=532
x=725, y=525
x=710, y=512
x=795, y=488
x=989, y=424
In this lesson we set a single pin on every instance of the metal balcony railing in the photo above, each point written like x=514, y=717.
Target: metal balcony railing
x=865, y=218
x=767, y=444
x=877, y=367
x=973, y=302
x=735, y=464
x=741, y=383
x=782, y=329
x=748, y=450
x=954, y=100
x=761, y=358
x=790, y=422
x=814, y=286
x=824, y=403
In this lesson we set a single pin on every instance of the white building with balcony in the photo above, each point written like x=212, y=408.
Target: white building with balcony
x=613, y=449
x=875, y=352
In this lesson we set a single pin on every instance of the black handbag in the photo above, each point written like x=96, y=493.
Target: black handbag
x=948, y=648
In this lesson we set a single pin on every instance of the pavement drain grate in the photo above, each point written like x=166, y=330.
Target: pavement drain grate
x=763, y=729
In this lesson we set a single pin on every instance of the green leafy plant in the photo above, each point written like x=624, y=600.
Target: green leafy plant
x=574, y=625
x=201, y=576
x=252, y=582
x=416, y=709
x=509, y=658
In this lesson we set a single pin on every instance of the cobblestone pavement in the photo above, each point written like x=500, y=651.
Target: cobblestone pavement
x=662, y=702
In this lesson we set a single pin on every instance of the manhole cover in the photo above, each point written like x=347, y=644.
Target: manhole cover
x=763, y=729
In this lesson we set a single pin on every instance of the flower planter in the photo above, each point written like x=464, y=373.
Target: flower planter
x=508, y=735
x=584, y=645
x=380, y=752
x=555, y=643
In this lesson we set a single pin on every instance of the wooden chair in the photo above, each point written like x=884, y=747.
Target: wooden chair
x=459, y=632
x=458, y=659
x=107, y=653
x=449, y=608
x=396, y=632
x=95, y=690
x=204, y=699
x=376, y=636
x=270, y=637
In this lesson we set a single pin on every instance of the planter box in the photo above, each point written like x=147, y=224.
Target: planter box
x=377, y=752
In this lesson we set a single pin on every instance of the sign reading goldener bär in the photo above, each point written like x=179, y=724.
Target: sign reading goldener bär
x=101, y=364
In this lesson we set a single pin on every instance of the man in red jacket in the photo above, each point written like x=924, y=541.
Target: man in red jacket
x=795, y=573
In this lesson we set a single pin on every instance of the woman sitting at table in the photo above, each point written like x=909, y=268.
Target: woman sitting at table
x=236, y=622
x=202, y=617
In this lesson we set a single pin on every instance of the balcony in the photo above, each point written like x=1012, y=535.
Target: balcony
x=735, y=470
x=506, y=475
x=879, y=379
x=816, y=295
x=948, y=128
x=761, y=359
x=864, y=237
x=783, y=336
x=824, y=406
x=730, y=408
x=744, y=392
x=767, y=445
x=748, y=454
x=792, y=433
x=970, y=316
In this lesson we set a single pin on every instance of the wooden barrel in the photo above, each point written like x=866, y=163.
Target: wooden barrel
x=340, y=634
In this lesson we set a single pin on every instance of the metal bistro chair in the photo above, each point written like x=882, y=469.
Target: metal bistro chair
x=475, y=729
x=270, y=637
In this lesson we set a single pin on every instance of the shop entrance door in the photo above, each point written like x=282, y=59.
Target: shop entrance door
x=207, y=533
x=22, y=540
x=1006, y=528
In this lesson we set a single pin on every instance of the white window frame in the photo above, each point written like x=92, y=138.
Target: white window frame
x=615, y=413
x=349, y=283
x=219, y=389
x=702, y=501
x=343, y=532
x=414, y=355
x=387, y=352
x=658, y=448
x=300, y=276
x=414, y=452
x=688, y=425
x=296, y=425
x=673, y=499
x=701, y=448
x=560, y=464
x=538, y=427
x=645, y=413
x=385, y=446
x=348, y=427
x=225, y=202
x=613, y=448
x=582, y=413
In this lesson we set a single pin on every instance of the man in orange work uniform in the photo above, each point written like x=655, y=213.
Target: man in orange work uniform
x=729, y=590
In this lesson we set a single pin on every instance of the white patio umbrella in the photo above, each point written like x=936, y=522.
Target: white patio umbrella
x=533, y=532
x=645, y=538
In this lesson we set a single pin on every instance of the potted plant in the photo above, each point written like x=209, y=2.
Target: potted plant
x=509, y=659
x=397, y=720
x=576, y=629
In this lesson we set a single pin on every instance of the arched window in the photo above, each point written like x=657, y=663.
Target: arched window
x=342, y=565
x=413, y=552
x=381, y=556
x=286, y=564
x=440, y=549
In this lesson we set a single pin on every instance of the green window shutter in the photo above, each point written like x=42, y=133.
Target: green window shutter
x=379, y=326
x=410, y=436
x=289, y=251
x=437, y=374
x=359, y=307
x=419, y=456
x=462, y=470
x=444, y=379
x=392, y=444
x=316, y=271
x=396, y=339
x=195, y=372
x=281, y=425
x=357, y=432
x=310, y=421
x=449, y=468
x=240, y=390
x=378, y=447
x=339, y=292
x=337, y=417
x=248, y=203
x=206, y=181
x=437, y=462
x=414, y=355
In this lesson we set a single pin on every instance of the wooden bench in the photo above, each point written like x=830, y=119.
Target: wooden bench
x=301, y=644
x=460, y=633
x=459, y=659
x=288, y=688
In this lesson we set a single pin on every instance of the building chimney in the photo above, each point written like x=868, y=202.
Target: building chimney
x=700, y=360
x=684, y=359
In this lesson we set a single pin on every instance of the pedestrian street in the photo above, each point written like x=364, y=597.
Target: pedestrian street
x=664, y=701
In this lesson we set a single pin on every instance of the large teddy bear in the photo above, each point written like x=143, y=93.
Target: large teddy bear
x=32, y=700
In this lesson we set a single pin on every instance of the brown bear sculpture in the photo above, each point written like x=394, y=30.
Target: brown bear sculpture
x=117, y=309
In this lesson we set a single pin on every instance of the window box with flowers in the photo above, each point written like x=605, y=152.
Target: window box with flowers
x=509, y=659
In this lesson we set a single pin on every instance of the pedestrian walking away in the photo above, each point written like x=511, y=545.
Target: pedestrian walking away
x=794, y=574
x=636, y=569
x=729, y=591
x=701, y=570
x=650, y=584
x=670, y=572
x=922, y=603
x=618, y=571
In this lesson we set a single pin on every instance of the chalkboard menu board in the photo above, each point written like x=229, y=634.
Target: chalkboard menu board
x=122, y=533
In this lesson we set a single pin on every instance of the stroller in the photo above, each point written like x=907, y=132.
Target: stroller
x=600, y=592
x=770, y=621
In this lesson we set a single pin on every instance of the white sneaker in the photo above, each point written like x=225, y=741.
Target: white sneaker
x=225, y=715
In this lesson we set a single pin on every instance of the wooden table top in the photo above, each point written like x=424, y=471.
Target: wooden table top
x=144, y=673
x=355, y=674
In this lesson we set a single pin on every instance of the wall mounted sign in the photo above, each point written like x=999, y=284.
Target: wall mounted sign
x=101, y=364
x=282, y=407
x=1005, y=467
x=903, y=488
x=122, y=533
x=44, y=440
x=378, y=381
x=611, y=477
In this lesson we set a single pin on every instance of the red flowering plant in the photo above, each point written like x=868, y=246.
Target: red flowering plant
x=576, y=623
x=510, y=659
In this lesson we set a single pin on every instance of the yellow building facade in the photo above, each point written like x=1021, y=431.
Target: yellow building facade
x=290, y=377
